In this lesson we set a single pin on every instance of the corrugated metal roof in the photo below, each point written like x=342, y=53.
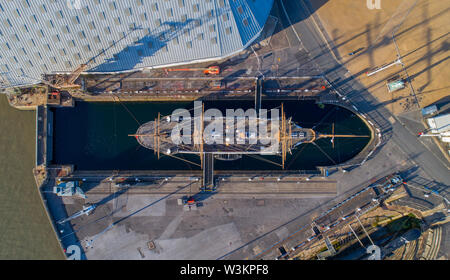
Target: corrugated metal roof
x=439, y=124
x=45, y=36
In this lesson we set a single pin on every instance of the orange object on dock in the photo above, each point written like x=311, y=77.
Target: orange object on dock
x=212, y=70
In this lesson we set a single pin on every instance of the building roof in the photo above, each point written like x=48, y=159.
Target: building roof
x=429, y=110
x=47, y=36
x=439, y=124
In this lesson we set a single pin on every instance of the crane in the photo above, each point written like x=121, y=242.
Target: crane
x=86, y=211
x=66, y=82
x=63, y=82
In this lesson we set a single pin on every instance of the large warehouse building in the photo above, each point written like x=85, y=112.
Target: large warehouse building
x=48, y=36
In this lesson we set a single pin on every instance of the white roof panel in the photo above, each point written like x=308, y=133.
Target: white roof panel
x=45, y=36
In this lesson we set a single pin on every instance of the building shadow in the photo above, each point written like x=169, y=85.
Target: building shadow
x=155, y=40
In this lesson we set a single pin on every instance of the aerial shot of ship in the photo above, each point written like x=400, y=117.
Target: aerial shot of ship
x=235, y=135
x=224, y=130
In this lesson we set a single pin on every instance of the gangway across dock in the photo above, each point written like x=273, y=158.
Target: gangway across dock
x=208, y=172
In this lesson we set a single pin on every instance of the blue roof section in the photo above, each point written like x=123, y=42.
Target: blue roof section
x=250, y=17
x=47, y=36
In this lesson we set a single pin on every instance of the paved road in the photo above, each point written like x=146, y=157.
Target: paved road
x=307, y=30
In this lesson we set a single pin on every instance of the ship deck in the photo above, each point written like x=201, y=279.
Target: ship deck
x=157, y=136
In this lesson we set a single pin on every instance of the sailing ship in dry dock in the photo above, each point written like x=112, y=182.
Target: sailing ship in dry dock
x=226, y=135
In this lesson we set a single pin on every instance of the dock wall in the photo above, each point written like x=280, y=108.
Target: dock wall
x=44, y=135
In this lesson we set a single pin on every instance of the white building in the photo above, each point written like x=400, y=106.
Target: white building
x=439, y=124
x=48, y=36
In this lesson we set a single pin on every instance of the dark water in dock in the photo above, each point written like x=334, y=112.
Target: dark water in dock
x=94, y=136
